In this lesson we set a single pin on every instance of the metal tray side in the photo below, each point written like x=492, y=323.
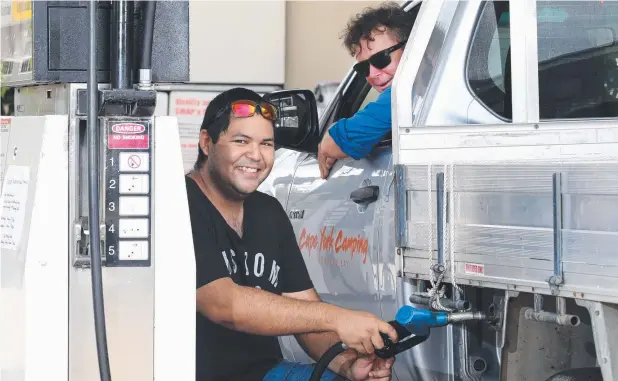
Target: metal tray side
x=538, y=214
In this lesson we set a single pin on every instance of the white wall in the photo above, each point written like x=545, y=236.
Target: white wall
x=314, y=49
x=237, y=41
x=292, y=42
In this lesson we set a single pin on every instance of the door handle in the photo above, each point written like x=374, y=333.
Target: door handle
x=365, y=195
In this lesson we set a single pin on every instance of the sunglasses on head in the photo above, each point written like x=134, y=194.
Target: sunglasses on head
x=246, y=108
x=379, y=60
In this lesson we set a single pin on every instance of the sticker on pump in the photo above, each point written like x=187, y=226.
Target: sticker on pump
x=127, y=136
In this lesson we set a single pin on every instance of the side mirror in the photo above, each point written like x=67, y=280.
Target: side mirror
x=298, y=127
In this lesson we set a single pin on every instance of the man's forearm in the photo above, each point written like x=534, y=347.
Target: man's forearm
x=330, y=148
x=316, y=344
x=263, y=313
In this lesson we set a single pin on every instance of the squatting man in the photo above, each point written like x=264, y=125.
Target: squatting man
x=252, y=282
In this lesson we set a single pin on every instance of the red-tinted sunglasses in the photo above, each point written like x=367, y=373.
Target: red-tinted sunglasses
x=245, y=108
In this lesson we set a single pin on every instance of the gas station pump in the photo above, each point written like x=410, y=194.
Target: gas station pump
x=97, y=272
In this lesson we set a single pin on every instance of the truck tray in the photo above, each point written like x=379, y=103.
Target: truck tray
x=523, y=207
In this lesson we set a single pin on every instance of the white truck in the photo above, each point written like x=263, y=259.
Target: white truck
x=496, y=191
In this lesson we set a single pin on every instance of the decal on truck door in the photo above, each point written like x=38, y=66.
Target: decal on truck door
x=296, y=214
x=336, y=243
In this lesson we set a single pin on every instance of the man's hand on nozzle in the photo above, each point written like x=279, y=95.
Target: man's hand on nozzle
x=361, y=331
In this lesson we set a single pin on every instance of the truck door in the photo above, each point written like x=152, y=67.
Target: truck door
x=337, y=236
x=341, y=239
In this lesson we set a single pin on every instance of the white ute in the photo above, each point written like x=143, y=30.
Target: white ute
x=498, y=191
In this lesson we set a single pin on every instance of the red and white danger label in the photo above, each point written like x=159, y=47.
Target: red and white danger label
x=474, y=269
x=128, y=136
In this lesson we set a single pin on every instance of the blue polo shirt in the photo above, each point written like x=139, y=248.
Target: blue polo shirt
x=357, y=135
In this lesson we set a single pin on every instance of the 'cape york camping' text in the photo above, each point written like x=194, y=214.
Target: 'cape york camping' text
x=328, y=241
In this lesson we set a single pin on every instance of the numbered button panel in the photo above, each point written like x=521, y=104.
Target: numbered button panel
x=128, y=179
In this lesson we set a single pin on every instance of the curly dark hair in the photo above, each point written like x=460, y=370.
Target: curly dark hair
x=388, y=15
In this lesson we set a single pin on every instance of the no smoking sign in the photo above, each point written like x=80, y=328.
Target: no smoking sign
x=127, y=136
x=134, y=161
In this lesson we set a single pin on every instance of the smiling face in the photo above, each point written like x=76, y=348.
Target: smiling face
x=380, y=79
x=242, y=157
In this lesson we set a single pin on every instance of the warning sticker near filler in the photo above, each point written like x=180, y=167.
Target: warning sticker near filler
x=127, y=136
x=474, y=269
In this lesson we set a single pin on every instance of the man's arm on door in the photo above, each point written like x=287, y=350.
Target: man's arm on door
x=356, y=136
x=328, y=154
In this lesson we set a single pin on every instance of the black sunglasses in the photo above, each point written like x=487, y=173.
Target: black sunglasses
x=380, y=60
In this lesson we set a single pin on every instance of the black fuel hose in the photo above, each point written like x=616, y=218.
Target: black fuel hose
x=149, y=20
x=93, y=199
x=326, y=358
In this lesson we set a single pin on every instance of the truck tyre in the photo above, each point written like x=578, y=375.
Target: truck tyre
x=581, y=374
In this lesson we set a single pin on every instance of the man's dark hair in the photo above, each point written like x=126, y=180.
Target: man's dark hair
x=217, y=116
x=388, y=15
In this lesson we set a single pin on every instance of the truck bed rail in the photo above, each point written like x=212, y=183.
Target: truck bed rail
x=523, y=207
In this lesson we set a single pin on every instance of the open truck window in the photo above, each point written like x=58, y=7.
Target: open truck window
x=358, y=94
x=577, y=54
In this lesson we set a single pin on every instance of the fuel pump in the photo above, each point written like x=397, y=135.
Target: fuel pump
x=97, y=269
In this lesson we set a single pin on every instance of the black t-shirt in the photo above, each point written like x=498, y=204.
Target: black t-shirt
x=266, y=257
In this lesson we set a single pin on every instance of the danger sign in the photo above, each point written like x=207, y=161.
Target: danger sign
x=127, y=136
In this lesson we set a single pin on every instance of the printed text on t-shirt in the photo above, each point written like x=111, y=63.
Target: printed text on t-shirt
x=259, y=265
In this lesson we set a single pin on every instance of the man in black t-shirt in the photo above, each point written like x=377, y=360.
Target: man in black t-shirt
x=252, y=283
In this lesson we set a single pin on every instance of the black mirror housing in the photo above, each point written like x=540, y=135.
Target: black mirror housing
x=297, y=127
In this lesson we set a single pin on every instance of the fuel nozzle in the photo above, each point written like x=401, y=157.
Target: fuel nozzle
x=413, y=326
x=415, y=319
